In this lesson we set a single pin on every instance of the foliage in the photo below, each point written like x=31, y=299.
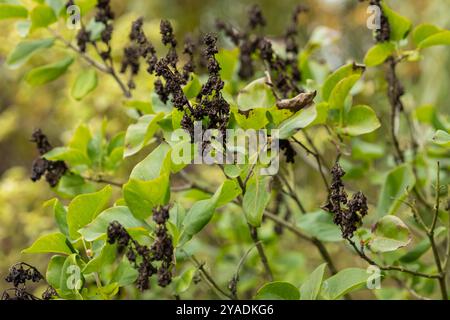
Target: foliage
x=130, y=217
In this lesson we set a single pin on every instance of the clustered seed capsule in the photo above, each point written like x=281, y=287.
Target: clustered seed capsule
x=289, y=151
x=105, y=16
x=18, y=276
x=245, y=40
x=139, y=48
x=284, y=71
x=210, y=103
x=53, y=170
x=348, y=214
x=143, y=257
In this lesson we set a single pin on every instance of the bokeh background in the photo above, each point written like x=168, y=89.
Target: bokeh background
x=24, y=108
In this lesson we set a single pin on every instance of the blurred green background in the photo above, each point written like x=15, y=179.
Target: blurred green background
x=50, y=107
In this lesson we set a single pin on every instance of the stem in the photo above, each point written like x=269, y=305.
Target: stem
x=395, y=91
x=104, y=181
x=207, y=276
x=437, y=259
x=235, y=280
x=362, y=254
x=101, y=67
x=289, y=226
x=318, y=160
x=291, y=193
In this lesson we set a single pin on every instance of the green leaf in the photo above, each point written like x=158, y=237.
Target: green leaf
x=23, y=28
x=85, y=83
x=438, y=39
x=54, y=271
x=198, y=216
x=360, y=120
x=125, y=274
x=48, y=73
x=97, y=228
x=228, y=60
x=300, y=120
x=319, y=224
x=255, y=119
x=138, y=135
x=106, y=257
x=338, y=75
x=85, y=208
x=72, y=156
x=202, y=211
x=341, y=91
x=278, y=290
x=256, y=198
x=419, y=250
x=12, y=11
x=256, y=94
x=399, y=25
x=95, y=29
x=378, y=54
x=343, y=282
x=25, y=50
x=156, y=163
x=72, y=279
x=183, y=282
x=394, y=190
x=389, y=234
x=362, y=150
x=311, y=287
x=56, y=5
x=192, y=89
x=51, y=243
x=442, y=138
x=229, y=190
x=423, y=31
x=143, y=106
x=142, y=196
x=60, y=214
x=42, y=16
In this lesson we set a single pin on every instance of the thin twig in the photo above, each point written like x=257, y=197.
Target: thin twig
x=235, y=280
x=318, y=160
x=410, y=290
x=101, y=67
x=437, y=259
x=104, y=181
x=207, y=276
x=363, y=255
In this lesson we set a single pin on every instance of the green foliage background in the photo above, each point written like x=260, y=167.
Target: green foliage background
x=23, y=108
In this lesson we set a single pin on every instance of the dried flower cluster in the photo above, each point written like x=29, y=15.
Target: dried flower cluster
x=245, y=40
x=210, y=104
x=348, y=214
x=18, y=275
x=284, y=71
x=143, y=257
x=210, y=107
x=104, y=15
x=53, y=170
x=289, y=151
x=139, y=47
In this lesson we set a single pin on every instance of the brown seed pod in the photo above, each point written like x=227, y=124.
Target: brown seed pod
x=297, y=103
